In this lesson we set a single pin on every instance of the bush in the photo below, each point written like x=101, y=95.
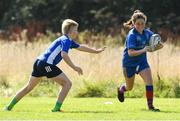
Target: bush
x=45, y=88
x=176, y=88
x=138, y=91
x=4, y=82
x=167, y=88
x=97, y=89
x=162, y=88
x=5, y=88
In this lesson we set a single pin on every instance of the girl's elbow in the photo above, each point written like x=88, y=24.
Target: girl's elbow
x=130, y=54
x=63, y=54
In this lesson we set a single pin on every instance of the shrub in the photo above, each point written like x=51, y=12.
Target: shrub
x=97, y=89
x=45, y=88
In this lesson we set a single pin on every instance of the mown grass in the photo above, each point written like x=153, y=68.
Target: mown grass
x=91, y=109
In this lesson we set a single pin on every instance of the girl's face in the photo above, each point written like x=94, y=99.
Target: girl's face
x=139, y=25
x=73, y=32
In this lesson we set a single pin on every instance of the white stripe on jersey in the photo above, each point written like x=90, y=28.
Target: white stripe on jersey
x=137, y=68
x=53, y=55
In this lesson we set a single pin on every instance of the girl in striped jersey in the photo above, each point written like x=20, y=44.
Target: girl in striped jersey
x=45, y=64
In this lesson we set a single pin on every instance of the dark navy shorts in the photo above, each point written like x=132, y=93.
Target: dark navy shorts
x=131, y=71
x=41, y=68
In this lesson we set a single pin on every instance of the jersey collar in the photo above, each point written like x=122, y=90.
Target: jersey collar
x=67, y=37
x=134, y=29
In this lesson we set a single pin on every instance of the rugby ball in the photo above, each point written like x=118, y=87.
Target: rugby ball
x=154, y=40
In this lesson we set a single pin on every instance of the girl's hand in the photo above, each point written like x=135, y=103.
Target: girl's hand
x=159, y=46
x=148, y=49
x=100, y=50
x=79, y=70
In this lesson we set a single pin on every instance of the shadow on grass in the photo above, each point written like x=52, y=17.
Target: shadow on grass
x=88, y=112
x=161, y=111
x=170, y=111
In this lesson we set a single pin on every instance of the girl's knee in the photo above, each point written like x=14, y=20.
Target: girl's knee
x=149, y=82
x=69, y=83
x=129, y=88
x=28, y=88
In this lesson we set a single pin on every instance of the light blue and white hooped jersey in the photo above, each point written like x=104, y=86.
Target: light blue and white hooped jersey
x=52, y=55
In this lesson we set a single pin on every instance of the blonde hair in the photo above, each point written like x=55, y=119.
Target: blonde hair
x=136, y=15
x=67, y=24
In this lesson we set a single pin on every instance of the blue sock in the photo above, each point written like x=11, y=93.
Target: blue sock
x=149, y=96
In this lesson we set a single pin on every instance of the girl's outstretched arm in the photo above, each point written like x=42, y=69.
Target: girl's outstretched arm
x=85, y=48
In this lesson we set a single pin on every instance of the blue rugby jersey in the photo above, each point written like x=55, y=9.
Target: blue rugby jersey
x=136, y=41
x=52, y=55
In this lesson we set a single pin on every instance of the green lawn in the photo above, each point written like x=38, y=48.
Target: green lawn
x=90, y=109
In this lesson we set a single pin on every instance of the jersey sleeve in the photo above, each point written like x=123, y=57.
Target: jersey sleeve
x=66, y=45
x=149, y=34
x=74, y=44
x=131, y=41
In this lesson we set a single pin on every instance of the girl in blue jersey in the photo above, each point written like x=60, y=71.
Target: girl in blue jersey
x=45, y=65
x=134, y=59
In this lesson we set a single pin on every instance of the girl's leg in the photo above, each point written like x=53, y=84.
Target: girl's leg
x=125, y=87
x=33, y=81
x=63, y=80
x=147, y=77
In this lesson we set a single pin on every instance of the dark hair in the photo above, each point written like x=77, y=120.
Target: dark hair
x=136, y=15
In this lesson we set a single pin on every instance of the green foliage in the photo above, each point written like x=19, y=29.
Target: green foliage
x=103, y=88
x=4, y=82
x=96, y=15
x=162, y=88
x=97, y=89
x=176, y=88
x=167, y=88
x=5, y=88
x=138, y=91
x=45, y=88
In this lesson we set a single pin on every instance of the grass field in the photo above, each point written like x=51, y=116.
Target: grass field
x=38, y=108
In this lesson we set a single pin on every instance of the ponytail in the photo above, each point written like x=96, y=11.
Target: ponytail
x=128, y=24
x=136, y=15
